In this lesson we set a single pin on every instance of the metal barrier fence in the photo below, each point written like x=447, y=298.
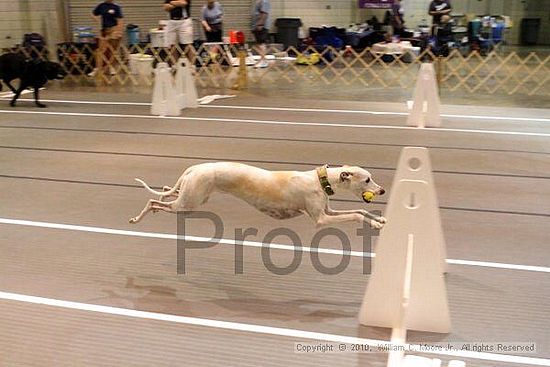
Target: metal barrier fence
x=494, y=73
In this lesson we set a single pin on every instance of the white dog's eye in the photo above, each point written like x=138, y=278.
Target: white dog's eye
x=367, y=180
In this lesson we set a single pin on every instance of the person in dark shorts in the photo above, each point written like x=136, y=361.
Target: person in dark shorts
x=212, y=21
x=261, y=22
x=438, y=8
x=398, y=18
x=109, y=16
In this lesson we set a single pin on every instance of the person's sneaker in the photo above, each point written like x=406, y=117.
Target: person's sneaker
x=92, y=73
x=112, y=70
x=261, y=64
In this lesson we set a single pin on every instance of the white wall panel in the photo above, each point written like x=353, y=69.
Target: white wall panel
x=26, y=16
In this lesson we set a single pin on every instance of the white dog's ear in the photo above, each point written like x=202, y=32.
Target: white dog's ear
x=345, y=176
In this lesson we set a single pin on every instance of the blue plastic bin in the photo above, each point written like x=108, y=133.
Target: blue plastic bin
x=133, y=36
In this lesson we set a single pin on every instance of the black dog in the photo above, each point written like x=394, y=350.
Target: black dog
x=32, y=73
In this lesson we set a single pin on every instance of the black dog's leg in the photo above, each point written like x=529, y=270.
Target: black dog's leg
x=17, y=94
x=13, y=90
x=36, y=98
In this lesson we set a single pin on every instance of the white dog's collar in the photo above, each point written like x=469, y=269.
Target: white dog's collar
x=323, y=180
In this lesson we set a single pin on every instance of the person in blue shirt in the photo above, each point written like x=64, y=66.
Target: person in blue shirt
x=212, y=21
x=398, y=18
x=110, y=19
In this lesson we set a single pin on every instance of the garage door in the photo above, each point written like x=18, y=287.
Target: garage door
x=147, y=13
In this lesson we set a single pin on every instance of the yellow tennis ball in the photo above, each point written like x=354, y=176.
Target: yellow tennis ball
x=368, y=196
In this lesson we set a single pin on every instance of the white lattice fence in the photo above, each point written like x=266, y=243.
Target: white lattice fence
x=495, y=73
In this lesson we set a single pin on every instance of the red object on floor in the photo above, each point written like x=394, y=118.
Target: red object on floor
x=236, y=37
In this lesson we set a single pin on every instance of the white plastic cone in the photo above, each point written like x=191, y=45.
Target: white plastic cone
x=185, y=84
x=172, y=103
x=409, y=212
x=191, y=89
x=181, y=84
x=425, y=93
x=157, y=104
x=415, y=164
x=165, y=101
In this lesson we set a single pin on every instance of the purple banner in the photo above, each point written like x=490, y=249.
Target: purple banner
x=375, y=4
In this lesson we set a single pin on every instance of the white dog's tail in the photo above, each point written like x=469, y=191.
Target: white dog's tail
x=163, y=193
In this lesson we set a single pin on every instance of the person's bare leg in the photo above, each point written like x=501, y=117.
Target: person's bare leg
x=115, y=44
x=263, y=48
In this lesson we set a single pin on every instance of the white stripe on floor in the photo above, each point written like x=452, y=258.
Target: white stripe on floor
x=9, y=94
x=260, y=329
x=275, y=122
x=224, y=241
x=292, y=109
x=476, y=117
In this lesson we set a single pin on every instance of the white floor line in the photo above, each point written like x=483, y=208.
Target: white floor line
x=9, y=94
x=476, y=117
x=292, y=109
x=261, y=329
x=224, y=241
x=275, y=122
x=113, y=103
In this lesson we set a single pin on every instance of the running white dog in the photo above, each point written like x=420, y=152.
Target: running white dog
x=279, y=194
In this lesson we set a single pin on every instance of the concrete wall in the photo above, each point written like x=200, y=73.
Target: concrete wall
x=539, y=9
x=317, y=12
x=26, y=16
x=46, y=17
x=344, y=12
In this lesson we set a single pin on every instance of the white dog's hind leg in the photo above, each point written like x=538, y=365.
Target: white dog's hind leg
x=148, y=207
x=175, y=193
x=155, y=205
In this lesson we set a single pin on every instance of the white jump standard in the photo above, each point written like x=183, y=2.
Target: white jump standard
x=279, y=194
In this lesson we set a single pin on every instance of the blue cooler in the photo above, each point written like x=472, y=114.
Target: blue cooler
x=132, y=32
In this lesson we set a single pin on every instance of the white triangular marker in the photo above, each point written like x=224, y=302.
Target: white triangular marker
x=415, y=164
x=399, y=333
x=426, y=91
x=188, y=83
x=409, y=211
x=181, y=83
x=165, y=101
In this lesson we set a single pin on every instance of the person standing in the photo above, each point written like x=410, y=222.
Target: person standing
x=438, y=8
x=212, y=21
x=110, y=19
x=179, y=29
x=261, y=23
x=398, y=18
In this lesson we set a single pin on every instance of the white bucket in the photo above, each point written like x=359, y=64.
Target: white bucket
x=141, y=64
x=157, y=38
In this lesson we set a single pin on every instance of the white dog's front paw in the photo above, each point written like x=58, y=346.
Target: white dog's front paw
x=376, y=225
x=133, y=220
x=382, y=220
